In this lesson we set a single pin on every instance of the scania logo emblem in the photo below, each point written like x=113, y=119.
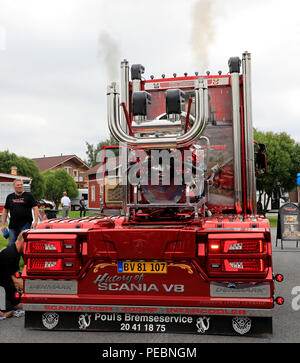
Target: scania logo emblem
x=84, y=321
x=202, y=324
x=50, y=320
x=140, y=247
x=241, y=325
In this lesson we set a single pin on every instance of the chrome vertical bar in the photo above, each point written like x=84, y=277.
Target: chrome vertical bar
x=123, y=146
x=249, y=149
x=234, y=69
x=124, y=91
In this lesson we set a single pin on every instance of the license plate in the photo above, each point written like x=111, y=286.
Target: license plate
x=147, y=267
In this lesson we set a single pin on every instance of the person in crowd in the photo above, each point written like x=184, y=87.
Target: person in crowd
x=82, y=207
x=20, y=206
x=10, y=282
x=66, y=205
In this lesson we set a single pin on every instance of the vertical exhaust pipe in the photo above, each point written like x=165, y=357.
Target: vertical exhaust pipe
x=234, y=70
x=124, y=91
x=122, y=145
x=249, y=149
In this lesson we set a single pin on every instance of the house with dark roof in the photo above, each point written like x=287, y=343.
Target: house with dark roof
x=71, y=163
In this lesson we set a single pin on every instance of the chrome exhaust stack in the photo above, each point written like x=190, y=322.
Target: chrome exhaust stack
x=120, y=133
x=234, y=70
x=124, y=90
x=249, y=149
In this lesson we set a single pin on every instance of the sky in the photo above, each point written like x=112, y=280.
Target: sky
x=57, y=58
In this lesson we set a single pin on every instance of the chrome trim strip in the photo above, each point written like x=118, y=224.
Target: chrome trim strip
x=256, y=291
x=56, y=287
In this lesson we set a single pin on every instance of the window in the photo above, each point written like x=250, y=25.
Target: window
x=68, y=169
x=5, y=189
x=93, y=193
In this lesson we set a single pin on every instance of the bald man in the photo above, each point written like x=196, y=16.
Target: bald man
x=20, y=205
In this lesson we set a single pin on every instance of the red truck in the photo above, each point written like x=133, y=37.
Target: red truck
x=188, y=254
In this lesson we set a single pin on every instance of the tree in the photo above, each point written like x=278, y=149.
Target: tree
x=57, y=182
x=26, y=167
x=283, y=163
x=93, y=151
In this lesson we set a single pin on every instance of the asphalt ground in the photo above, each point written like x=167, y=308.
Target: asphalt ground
x=286, y=319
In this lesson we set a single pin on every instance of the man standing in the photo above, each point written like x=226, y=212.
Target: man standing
x=20, y=205
x=66, y=205
x=82, y=207
x=9, y=265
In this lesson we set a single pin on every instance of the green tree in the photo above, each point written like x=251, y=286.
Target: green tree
x=26, y=167
x=283, y=163
x=93, y=151
x=57, y=182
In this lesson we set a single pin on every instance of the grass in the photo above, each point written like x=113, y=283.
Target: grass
x=3, y=242
x=75, y=214
x=273, y=220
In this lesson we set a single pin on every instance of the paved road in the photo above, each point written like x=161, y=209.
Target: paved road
x=286, y=321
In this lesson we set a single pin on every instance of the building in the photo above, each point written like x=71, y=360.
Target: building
x=6, y=185
x=97, y=187
x=71, y=163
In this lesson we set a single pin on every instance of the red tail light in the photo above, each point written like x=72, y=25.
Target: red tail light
x=45, y=246
x=65, y=266
x=243, y=246
x=236, y=246
x=237, y=253
x=52, y=254
x=243, y=265
x=215, y=246
x=45, y=264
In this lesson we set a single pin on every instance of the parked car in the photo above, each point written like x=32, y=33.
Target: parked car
x=46, y=204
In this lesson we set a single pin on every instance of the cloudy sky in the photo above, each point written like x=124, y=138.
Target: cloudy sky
x=57, y=57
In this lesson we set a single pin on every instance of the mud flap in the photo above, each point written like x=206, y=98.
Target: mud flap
x=137, y=323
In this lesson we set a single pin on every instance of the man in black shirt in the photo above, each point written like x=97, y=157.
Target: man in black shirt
x=19, y=204
x=9, y=265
